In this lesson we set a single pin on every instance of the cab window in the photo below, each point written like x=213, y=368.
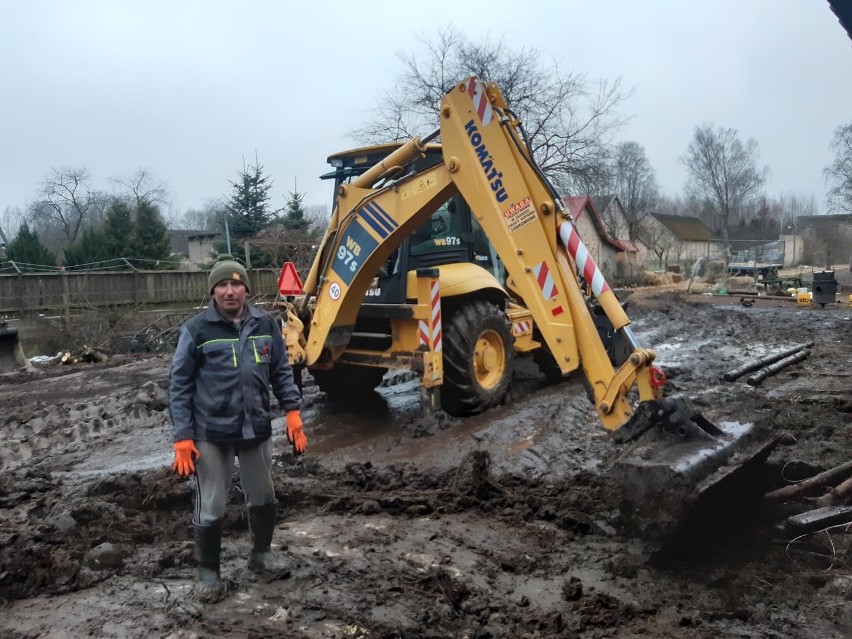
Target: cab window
x=484, y=253
x=441, y=233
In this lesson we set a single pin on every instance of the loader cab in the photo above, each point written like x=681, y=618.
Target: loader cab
x=451, y=235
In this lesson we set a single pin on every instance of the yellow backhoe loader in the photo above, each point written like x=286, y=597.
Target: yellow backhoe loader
x=452, y=259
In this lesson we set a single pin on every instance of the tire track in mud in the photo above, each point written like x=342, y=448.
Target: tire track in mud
x=77, y=411
x=49, y=434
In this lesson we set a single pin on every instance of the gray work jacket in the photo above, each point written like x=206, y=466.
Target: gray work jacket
x=221, y=375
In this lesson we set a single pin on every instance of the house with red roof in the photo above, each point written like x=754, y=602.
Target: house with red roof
x=612, y=214
x=615, y=257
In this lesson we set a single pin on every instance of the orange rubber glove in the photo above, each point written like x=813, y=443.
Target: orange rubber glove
x=294, y=432
x=185, y=454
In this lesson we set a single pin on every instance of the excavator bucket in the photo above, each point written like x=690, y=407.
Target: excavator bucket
x=680, y=469
x=11, y=353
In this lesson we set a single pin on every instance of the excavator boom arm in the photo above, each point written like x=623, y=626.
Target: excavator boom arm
x=523, y=218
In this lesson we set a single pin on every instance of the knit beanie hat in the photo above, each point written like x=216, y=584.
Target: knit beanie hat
x=227, y=268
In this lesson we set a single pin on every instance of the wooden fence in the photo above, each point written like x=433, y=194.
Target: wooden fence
x=28, y=292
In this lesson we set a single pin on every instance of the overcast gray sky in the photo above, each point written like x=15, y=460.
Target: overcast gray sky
x=189, y=89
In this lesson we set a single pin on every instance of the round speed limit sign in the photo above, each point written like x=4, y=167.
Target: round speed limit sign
x=334, y=290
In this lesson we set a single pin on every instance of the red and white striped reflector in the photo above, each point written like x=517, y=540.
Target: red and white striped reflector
x=545, y=280
x=437, y=336
x=481, y=104
x=423, y=333
x=430, y=332
x=521, y=328
x=580, y=254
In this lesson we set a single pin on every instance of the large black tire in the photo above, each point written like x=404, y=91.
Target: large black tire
x=478, y=356
x=348, y=382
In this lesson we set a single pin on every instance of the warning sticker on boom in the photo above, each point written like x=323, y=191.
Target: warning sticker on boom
x=519, y=214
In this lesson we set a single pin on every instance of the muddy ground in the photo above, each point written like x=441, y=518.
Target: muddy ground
x=506, y=525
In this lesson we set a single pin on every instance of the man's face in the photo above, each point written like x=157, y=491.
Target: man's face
x=230, y=297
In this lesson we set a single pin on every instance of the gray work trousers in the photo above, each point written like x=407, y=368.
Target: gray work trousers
x=215, y=468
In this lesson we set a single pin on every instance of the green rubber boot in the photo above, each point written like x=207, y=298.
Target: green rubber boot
x=208, y=545
x=262, y=561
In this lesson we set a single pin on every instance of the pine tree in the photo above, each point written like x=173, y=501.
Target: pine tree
x=294, y=213
x=89, y=250
x=150, y=238
x=248, y=214
x=248, y=206
x=118, y=230
x=28, y=251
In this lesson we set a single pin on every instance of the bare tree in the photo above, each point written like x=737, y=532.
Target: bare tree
x=297, y=245
x=65, y=202
x=826, y=242
x=634, y=181
x=763, y=216
x=10, y=221
x=724, y=171
x=792, y=206
x=658, y=240
x=688, y=204
x=318, y=215
x=211, y=217
x=673, y=205
x=192, y=219
x=144, y=188
x=839, y=174
x=287, y=245
x=568, y=118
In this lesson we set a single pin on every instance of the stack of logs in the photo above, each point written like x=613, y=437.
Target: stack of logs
x=83, y=355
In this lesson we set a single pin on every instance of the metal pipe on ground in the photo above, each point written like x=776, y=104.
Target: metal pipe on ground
x=759, y=376
x=763, y=361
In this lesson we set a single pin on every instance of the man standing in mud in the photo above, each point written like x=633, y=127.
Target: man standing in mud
x=227, y=359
